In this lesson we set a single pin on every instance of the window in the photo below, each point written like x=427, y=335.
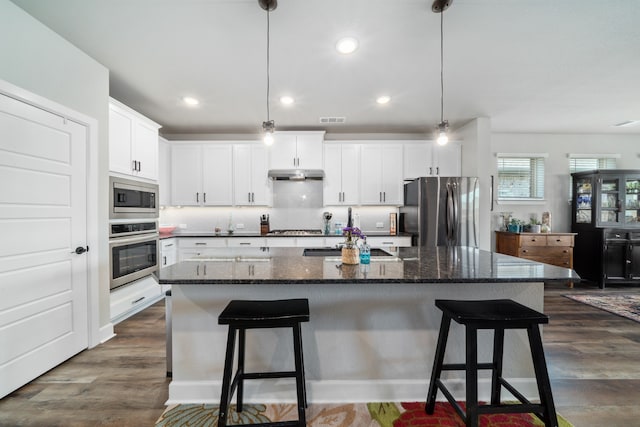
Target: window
x=587, y=162
x=520, y=177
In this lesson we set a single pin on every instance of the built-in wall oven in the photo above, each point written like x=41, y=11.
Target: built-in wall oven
x=133, y=250
x=129, y=199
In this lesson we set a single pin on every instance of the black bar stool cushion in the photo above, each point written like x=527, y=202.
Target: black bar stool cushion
x=259, y=314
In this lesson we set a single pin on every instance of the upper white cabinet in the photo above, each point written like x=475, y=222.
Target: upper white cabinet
x=341, y=168
x=250, y=180
x=426, y=158
x=381, y=174
x=133, y=142
x=301, y=150
x=200, y=174
x=164, y=171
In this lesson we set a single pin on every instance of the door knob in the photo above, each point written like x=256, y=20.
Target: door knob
x=80, y=250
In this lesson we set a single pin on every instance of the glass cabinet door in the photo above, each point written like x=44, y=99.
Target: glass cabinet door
x=609, y=206
x=631, y=206
x=583, y=199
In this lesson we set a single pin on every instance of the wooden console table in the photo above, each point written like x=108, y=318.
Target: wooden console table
x=549, y=248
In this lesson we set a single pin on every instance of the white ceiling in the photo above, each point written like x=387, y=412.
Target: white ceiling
x=553, y=66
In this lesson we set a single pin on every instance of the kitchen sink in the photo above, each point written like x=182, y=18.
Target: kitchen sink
x=375, y=252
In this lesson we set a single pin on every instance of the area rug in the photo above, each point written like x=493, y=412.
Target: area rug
x=625, y=305
x=386, y=414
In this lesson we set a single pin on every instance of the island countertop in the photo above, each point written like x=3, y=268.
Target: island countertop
x=285, y=266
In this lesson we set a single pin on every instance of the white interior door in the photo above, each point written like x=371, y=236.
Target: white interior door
x=43, y=282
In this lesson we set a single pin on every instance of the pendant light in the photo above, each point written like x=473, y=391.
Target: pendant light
x=269, y=126
x=439, y=6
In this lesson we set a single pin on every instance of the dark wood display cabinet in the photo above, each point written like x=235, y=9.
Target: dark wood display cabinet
x=605, y=215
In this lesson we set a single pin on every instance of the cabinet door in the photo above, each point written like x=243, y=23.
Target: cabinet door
x=217, y=169
x=242, y=174
x=633, y=260
x=186, y=175
x=615, y=260
x=446, y=159
x=370, y=174
x=164, y=172
x=120, y=139
x=309, y=150
x=417, y=160
x=260, y=184
x=609, y=201
x=392, y=189
x=350, y=174
x=333, y=174
x=631, y=201
x=145, y=151
x=283, y=151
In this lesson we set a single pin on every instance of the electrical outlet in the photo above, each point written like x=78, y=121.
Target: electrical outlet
x=183, y=226
x=239, y=226
x=379, y=224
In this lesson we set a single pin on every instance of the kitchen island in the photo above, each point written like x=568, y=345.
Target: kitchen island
x=373, y=327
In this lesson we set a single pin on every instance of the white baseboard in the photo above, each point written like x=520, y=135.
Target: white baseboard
x=106, y=333
x=283, y=391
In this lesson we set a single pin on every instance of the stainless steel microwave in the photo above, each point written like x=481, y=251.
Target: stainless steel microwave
x=129, y=199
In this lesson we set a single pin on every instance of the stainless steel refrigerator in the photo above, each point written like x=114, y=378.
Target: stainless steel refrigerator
x=441, y=211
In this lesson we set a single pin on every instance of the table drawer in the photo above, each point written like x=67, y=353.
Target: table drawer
x=560, y=240
x=533, y=240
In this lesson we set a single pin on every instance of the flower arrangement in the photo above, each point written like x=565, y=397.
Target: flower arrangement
x=352, y=235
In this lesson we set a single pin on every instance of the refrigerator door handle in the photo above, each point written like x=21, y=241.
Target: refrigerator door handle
x=449, y=217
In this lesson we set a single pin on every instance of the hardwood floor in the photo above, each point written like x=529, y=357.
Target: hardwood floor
x=593, y=359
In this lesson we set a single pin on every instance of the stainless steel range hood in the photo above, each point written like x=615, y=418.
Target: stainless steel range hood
x=296, y=174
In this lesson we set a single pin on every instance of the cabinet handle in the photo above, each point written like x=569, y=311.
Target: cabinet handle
x=380, y=196
x=134, y=167
x=201, y=244
x=533, y=239
x=245, y=243
x=253, y=197
x=139, y=166
x=628, y=261
x=137, y=301
x=204, y=197
x=437, y=170
x=388, y=243
x=198, y=197
x=249, y=197
x=384, y=196
x=168, y=245
x=164, y=260
x=430, y=170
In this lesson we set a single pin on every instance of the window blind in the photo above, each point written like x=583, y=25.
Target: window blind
x=520, y=178
x=577, y=164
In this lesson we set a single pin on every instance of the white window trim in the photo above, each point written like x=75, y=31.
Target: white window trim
x=594, y=156
x=524, y=201
x=526, y=155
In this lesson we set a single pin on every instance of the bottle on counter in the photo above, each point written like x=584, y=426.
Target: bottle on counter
x=365, y=252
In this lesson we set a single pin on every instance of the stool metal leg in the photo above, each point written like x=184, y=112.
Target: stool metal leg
x=304, y=379
x=226, y=378
x=240, y=372
x=299, y=364
x=471, y=376
x=550, y=417
x=438, y=360
x=498, y=347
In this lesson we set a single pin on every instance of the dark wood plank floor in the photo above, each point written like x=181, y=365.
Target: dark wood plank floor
x=593, y=359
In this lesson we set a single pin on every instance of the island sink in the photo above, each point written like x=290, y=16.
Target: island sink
x=338, y=252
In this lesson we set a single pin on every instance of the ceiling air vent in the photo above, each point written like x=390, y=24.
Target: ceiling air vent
x=332, y=120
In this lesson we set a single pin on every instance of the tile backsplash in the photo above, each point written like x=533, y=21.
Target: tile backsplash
x=247, y=219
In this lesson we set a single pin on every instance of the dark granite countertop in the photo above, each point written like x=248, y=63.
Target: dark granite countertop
x=201, y=234
x=286, y=266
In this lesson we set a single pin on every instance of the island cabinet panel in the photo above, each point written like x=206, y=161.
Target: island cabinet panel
x=549, y=248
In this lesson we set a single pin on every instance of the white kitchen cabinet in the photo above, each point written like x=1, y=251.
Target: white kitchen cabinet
x=342, y=174
x=246, y=242
x=168, y=252
x=426, y=158
x=250, y=175
x=381, y=175
x=281, y=242
x=191, y=247
x=296, y=150
x=386, y=241
x=133, y=142
x=164, y=172
x=200, y=174
x=129, y=299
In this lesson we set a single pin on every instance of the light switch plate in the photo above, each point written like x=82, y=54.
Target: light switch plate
x=183, y=226
x=239, y=226
x=379, y=224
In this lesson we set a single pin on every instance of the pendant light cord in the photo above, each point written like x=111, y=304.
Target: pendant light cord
x=268, y=82
x=441, y=67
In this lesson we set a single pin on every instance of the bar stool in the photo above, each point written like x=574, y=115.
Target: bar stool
x=241, y=315
x=497, y=315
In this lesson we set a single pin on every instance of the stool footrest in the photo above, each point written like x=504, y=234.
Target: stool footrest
x=463, y=367
x=260, y=375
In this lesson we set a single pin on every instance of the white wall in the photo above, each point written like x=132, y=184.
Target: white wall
x=38, y=60
x=557, y=167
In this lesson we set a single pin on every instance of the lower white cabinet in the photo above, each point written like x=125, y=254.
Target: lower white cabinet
x=136, y=296
x=191, y=247
x=168, y=252
x=242, y=242
x=385, y=241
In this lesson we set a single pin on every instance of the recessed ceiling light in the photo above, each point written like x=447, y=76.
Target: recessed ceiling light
x=347, y=45
x=286, y=100
x=190, y=101
x=384, y=99
x=626, y=123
